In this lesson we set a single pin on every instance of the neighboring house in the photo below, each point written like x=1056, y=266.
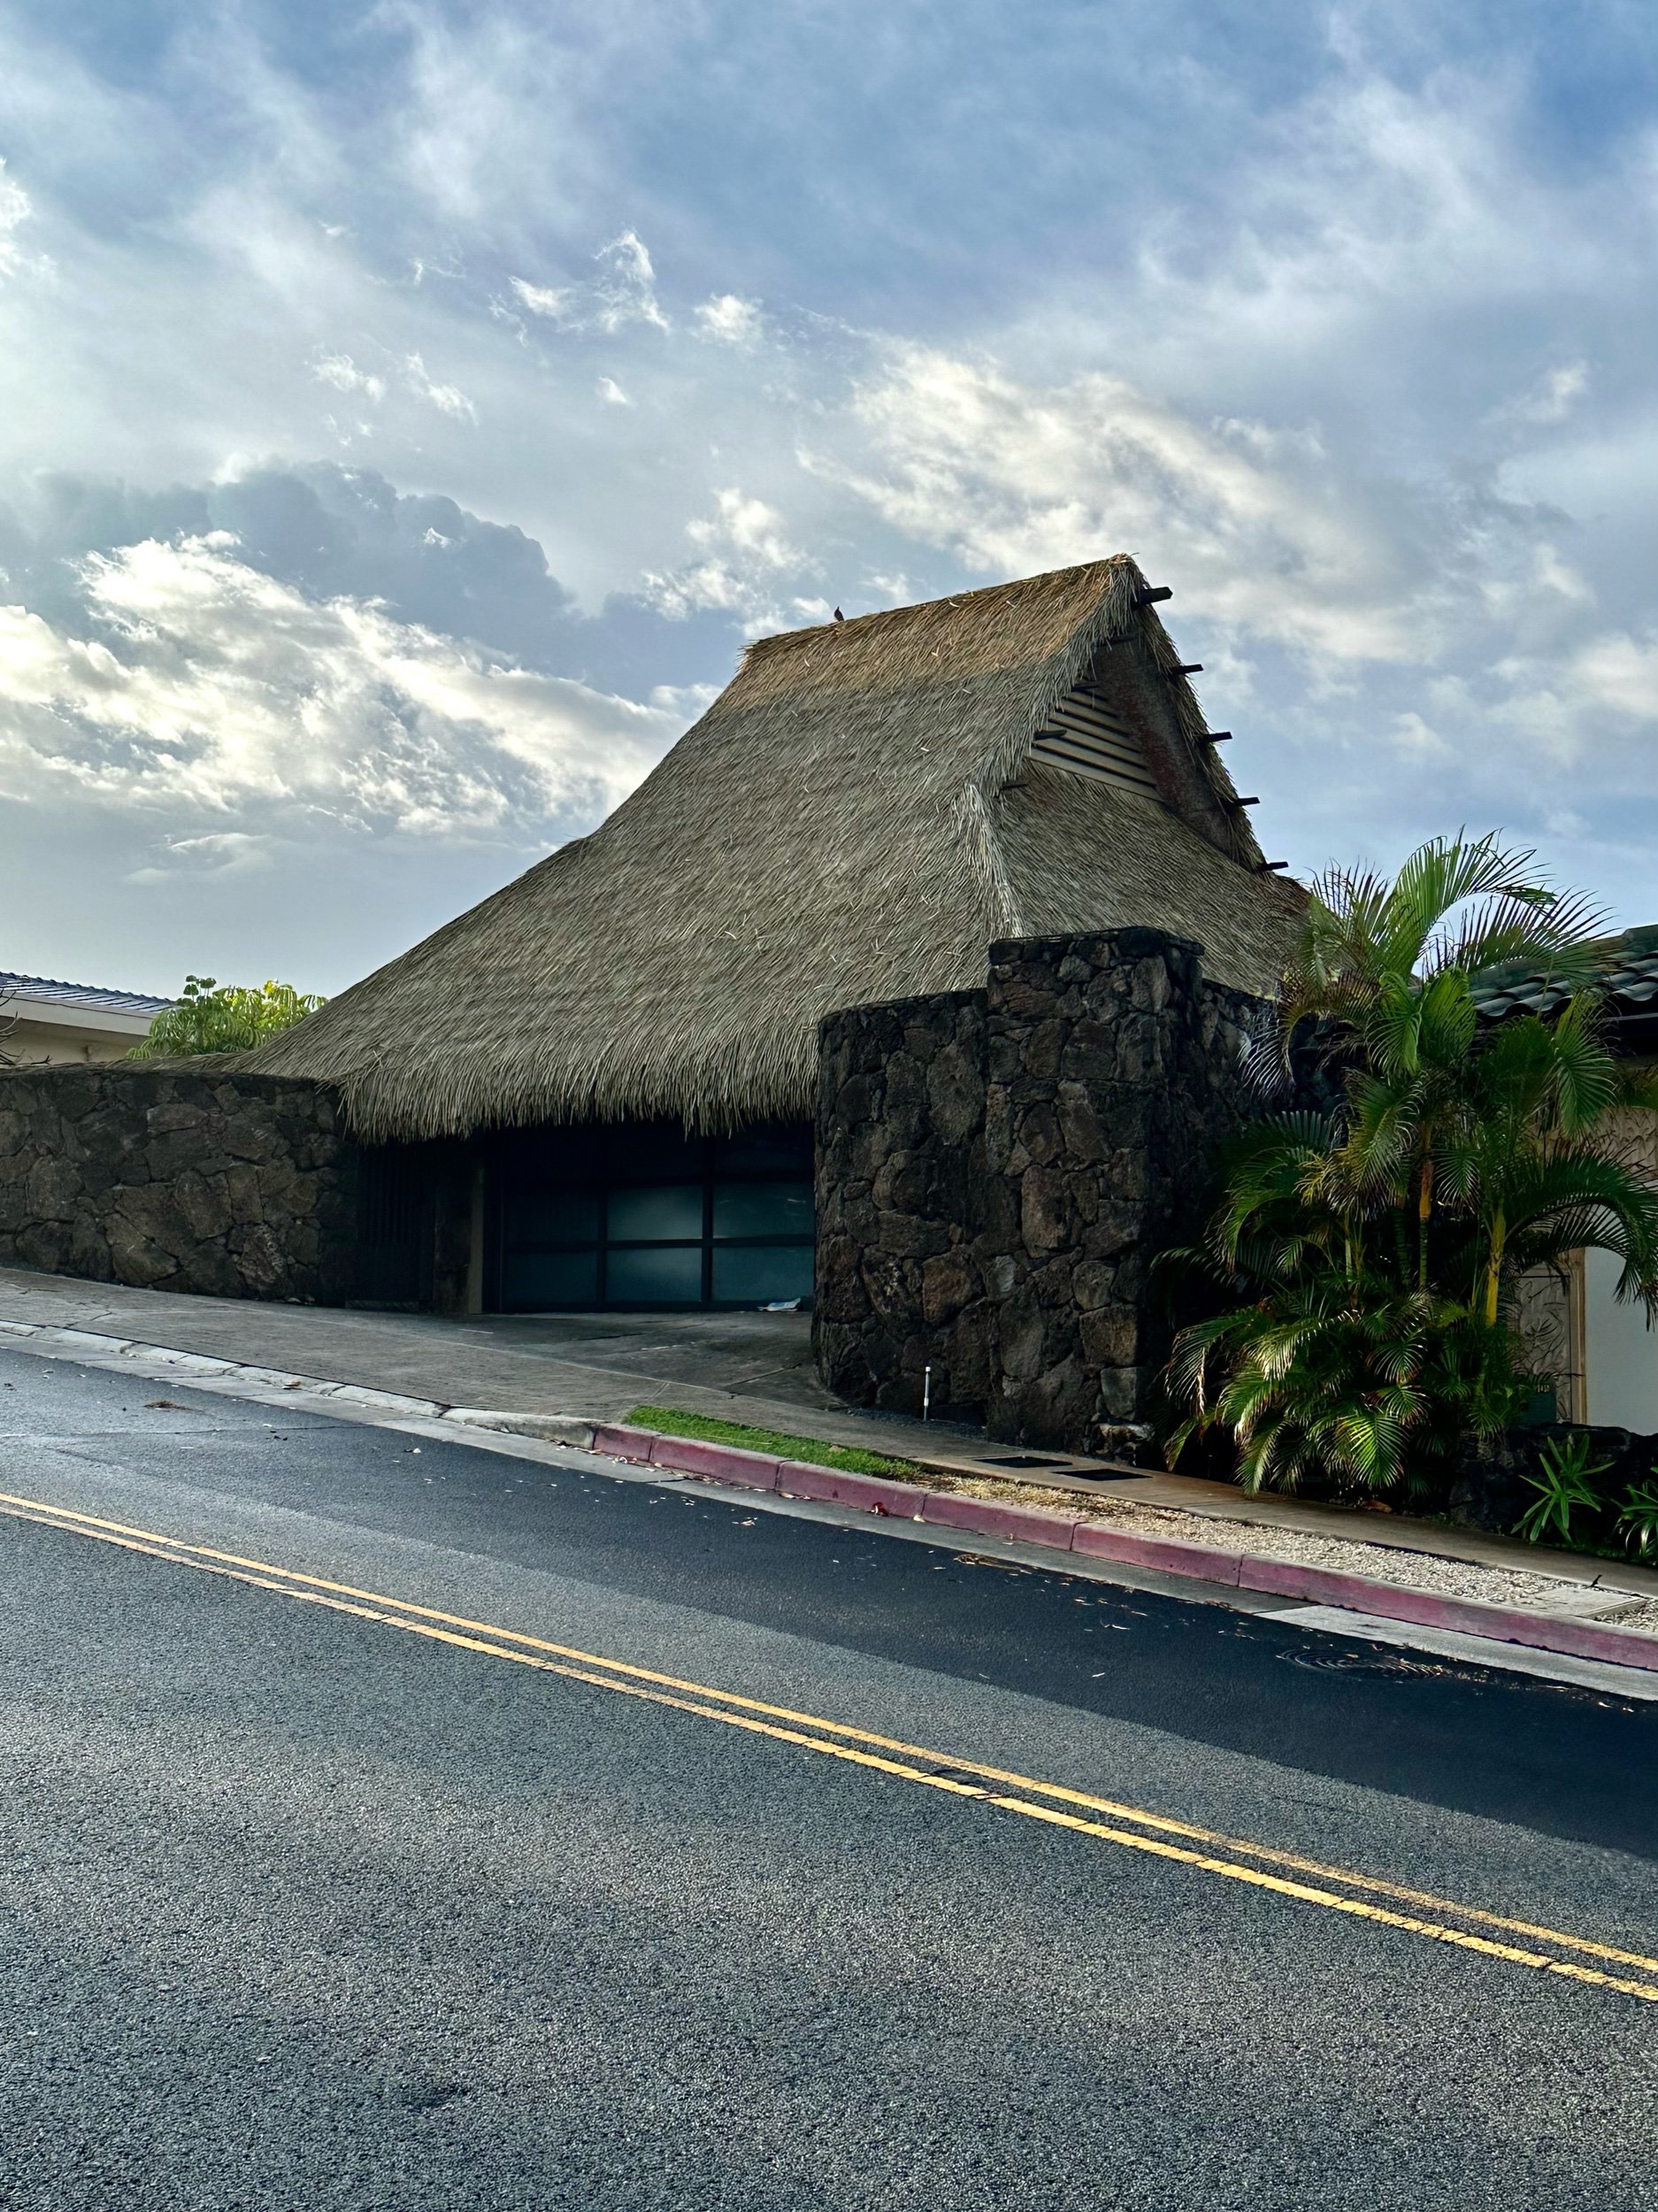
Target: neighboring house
x=47, y=1024
x=625, y=1041
x=1601, y=1354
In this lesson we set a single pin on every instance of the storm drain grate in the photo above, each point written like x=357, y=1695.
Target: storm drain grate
x=1070, y=1466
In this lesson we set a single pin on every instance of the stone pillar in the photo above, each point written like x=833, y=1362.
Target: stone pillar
x=900, y=1185
x=1112, y=1068
x=997, y=1171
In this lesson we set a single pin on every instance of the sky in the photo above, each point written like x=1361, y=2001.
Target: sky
x=408, y=410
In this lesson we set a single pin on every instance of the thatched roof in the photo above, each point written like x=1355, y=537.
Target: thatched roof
x=856, y=817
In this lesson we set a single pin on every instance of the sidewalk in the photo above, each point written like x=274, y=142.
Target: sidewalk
x=756, y=1368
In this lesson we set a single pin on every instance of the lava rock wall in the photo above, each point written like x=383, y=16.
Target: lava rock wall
x=1114, y=1067
x=900, y=1188
x=997, y=1171
x=242, y=1187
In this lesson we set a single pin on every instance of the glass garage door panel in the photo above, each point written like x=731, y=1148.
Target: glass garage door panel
x=763, y=1210
x=557, y=1217
x=784, y=1150
x=654, y=1217
x=531, y=1281
x=654, y=1275
x=761, y=1274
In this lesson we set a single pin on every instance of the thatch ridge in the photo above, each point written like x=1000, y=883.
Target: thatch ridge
x=854, y=819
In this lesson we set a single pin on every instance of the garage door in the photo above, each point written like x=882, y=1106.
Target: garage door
x=639, y=1216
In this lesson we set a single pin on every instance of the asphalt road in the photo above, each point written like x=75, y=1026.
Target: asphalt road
x=309, y=1906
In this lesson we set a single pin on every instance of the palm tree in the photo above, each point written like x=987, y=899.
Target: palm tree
x=1531, y=1163
x=1365, y=1257
x=1390, y=965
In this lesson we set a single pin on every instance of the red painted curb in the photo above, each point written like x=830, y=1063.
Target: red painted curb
x=876, y=1494
x=1464, y=1617
x=1203, y=1563
x=1318, y=1585
x=720, y=1463
x=1023, y=1524
x=1172, y=1554
x=616, y=1442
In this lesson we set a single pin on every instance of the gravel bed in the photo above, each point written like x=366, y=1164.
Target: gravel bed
x=1383, y=1562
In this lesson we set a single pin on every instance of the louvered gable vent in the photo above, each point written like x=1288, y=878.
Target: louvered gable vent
x=1086, y=737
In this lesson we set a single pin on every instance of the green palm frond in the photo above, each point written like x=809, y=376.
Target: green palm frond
x=1587, y=1080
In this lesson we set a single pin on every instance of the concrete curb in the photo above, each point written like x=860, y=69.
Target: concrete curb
x=1069, y=1533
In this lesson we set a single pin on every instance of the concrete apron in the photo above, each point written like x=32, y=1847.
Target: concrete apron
x=1560, y=1646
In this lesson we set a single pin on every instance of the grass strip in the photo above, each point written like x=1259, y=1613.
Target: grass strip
x=667, y=1421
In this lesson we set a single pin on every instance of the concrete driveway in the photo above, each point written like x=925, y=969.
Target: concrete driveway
x=598, y=1363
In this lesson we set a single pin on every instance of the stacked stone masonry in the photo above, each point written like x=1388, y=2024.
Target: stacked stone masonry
x=1114, y=1068
x=998, y=1169
x=901, y=1190
x=242, y=1187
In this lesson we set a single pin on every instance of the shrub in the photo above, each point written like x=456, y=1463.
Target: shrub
x=213, y=1016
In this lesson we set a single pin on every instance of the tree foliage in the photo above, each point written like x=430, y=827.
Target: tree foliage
x=213, y=1016
x=1362, y=1262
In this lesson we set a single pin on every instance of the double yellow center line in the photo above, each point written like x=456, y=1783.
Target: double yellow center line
x=1230, y=1858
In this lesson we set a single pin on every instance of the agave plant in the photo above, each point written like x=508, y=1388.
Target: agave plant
x=1563, y=1483
x=1638, y=1520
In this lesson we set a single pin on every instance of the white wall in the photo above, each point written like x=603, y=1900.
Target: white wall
x=44, y=1043
x=1621, y=1352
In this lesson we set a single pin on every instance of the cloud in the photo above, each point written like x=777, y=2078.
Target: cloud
x=542, y=299
x=446, y=397
x=733, y=321
x=1552, y=398
x=1592, y=709
x=1620, y=673
x=218, y=853
x=1012, y=478
x=16, y=207
x=624, y=293
x=744, y=556
x=199, y=686
x=1352, y=364
x=1416, y=739
x=331, y=532
x=627, y=285
x=342, y=372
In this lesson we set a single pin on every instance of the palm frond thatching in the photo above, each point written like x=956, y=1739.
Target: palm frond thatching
x=856, y=817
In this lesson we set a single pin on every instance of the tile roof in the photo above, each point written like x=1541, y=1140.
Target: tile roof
x=40, y=990
x=1630, y=973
